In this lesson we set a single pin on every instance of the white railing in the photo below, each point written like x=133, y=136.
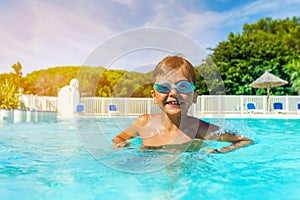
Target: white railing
x=228, y=104
x=125, y=106
x=39, y=103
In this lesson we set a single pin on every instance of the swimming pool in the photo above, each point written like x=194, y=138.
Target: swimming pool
x=58, y=161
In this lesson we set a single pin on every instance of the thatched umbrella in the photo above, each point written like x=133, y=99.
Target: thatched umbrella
x=268, y=80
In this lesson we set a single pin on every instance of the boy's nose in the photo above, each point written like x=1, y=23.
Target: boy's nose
x=174, y=92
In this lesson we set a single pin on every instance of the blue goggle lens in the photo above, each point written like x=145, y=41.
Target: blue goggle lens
x=183, y=86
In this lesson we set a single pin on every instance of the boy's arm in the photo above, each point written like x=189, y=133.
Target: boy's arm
x=120, y=140
x=236, y=140
x=131, y=132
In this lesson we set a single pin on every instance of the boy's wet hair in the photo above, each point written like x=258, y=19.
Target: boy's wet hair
x=174, y=63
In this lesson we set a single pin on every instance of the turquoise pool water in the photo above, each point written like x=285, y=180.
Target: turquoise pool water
x=63, y=160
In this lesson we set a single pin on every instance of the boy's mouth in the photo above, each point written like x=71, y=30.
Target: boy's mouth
x=174, y=102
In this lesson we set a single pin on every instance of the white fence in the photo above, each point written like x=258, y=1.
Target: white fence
x=39, y=103
x=206, y=104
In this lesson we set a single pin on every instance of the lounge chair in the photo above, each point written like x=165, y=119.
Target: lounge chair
x=112, y=109
x=80, y=108
x=251, y=108
x=278, y=108
x=298, y=108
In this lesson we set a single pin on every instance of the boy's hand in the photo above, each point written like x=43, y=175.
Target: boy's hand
x=120, y=145
x=211, y=150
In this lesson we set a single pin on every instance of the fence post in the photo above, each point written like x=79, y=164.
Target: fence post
x=102, y=106
x=148, y=106
x=264, y=104
x=219, y=104
x=202, y=104
x=242, y=104
x=287, y=104
x=126, y=106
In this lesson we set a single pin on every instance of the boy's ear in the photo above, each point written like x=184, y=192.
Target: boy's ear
x=195, y=97
x=153, y=96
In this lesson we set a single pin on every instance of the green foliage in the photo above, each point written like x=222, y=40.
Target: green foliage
x=133, y=84
x=18, y=69
x=267, y=44
x=209, y=79
x=93, y=81
x=9, y=86
x=47, y=82
x=89, y=80
x=8, y=99
x=293, y=68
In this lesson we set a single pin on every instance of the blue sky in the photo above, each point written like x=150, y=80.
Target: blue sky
x=46, y=33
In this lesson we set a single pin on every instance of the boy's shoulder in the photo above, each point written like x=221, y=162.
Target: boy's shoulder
x=200, y=121
x=195, y=119
x=146, y=119
x=142, y=120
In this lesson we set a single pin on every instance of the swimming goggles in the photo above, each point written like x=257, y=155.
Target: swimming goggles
x=182, y=86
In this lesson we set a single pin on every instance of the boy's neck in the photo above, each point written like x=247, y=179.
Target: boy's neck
x=177, y=120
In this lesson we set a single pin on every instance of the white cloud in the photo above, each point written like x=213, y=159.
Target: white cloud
x=133, y=4
x=209, y=27
x=202, y=26
x=250, y=13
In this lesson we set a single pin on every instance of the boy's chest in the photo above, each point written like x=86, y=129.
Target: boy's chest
x=164, y=138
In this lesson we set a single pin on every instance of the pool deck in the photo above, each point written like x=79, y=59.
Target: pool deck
x=217, y=115
x=254, y=116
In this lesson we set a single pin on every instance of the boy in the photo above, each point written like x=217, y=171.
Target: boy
x=174, y=91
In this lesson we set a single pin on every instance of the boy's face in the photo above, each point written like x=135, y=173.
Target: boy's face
x=174, y=102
